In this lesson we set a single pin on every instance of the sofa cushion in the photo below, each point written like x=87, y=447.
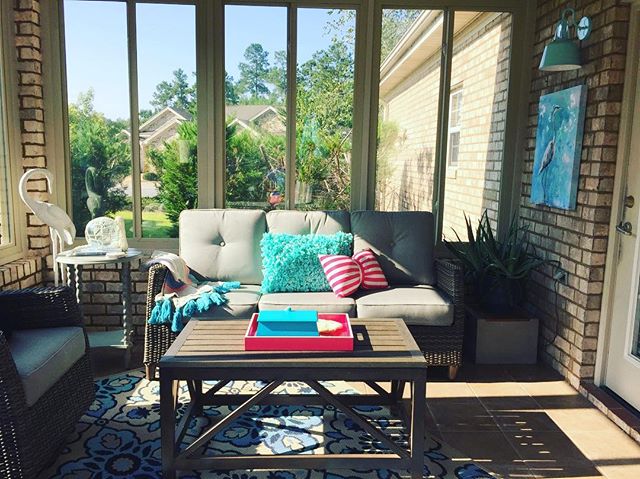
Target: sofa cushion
x=241, y=303
x=321, y=302
x=402, y=240
x=223, y=244
x=308, y=222
x=417, y=305
x=43, y=356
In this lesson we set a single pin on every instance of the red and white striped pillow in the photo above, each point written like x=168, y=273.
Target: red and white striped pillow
x=345, y=275
x=372, y=275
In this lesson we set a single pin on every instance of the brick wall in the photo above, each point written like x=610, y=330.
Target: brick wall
x=480, y=69
x=102, y=297
x=578, y=239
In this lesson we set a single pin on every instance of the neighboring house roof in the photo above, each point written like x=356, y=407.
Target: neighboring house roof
x=242, y=115
x=172, y=115
x=248, y=113
x=421, y=41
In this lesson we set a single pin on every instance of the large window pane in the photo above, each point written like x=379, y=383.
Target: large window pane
x=408, y=112
x=479, y=88
x=99, y=116
x=168, y=128
x=324, y=108
x=255, y=92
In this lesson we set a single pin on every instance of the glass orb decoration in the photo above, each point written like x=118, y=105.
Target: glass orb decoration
x=102, y=233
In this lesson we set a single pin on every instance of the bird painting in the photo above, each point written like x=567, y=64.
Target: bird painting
x=549, y=151
x=61, y=227
x=556, y=164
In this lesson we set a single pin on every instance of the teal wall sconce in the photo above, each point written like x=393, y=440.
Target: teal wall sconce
x=563, y=53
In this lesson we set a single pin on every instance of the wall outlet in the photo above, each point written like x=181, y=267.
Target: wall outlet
x=561, y=276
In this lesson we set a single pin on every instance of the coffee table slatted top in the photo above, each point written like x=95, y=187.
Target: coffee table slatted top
x=378, y=342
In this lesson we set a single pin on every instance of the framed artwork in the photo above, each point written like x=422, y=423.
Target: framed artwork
x=556, y=165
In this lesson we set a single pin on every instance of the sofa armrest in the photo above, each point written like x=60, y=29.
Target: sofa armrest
x=42, y=307
x=157, y=274
x=13, y=403
x=450, y=280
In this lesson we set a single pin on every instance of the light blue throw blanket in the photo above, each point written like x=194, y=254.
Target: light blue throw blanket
x=166, y=311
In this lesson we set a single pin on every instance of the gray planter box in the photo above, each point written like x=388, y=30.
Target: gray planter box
x=501, y=339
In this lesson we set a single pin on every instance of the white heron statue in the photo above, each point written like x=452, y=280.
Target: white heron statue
x=61, y=227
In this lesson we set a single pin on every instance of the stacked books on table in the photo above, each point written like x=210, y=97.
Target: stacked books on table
x=289, y=330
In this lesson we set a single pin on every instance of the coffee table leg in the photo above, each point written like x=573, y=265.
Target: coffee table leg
x=167, y=426
x=418, y=406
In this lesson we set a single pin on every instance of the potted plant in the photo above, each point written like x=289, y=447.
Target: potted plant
x=496, y=269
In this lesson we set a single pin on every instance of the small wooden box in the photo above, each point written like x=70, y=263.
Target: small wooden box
x=501, y=339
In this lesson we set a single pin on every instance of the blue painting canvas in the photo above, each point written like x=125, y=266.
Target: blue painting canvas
x=556, y=165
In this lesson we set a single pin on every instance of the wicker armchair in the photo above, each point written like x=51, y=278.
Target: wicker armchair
x=442, y=345
x=32, y=435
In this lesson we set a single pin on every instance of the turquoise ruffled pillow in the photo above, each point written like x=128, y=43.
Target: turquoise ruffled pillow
x=290, y=262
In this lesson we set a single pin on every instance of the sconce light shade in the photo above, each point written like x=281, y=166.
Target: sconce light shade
x=563, y=53
x=560, y=55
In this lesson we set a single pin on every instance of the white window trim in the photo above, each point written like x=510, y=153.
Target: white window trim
x=455, y=91
x=17, y=246
x=210, y=84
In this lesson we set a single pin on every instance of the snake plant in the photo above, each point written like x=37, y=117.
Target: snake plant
x=496, y=269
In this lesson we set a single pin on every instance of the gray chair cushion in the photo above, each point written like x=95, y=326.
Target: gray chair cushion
x=223, y=244
x=43, y=356
x=402, y=240
x=417, y=305
x=242, y=303
x=321, y=302
x=308, y=222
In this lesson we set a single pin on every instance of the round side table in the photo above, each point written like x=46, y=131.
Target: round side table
x=102, y=339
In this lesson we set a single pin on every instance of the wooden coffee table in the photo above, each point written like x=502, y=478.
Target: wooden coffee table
x=384, y=351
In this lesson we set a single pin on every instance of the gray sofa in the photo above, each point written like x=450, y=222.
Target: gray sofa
x=225, y=245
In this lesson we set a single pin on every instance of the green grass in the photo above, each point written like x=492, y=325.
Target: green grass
x=154, y=224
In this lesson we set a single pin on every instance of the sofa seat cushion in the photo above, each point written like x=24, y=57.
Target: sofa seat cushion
x=241, y=303
x=418, y=305
x=43, y=356
x=321, y=302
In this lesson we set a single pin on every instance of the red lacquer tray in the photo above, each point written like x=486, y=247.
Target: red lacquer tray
x=341, y=340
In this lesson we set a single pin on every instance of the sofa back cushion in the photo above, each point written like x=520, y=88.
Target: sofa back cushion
x=308, y=222
x=402, y=240
x=223, y=244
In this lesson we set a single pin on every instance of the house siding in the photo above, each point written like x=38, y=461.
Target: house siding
x=578, y=238
x=480, y=69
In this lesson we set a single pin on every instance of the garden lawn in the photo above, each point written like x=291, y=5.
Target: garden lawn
x=154, y=224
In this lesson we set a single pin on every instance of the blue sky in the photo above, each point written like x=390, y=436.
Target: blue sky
x=96, y=45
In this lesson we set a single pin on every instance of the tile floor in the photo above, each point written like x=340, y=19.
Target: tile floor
x=526, y=422
x=520, y=422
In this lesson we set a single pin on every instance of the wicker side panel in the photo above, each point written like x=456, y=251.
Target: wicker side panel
x=12, y=412
x=157, y=337
x=41, y=431
x=442, y=345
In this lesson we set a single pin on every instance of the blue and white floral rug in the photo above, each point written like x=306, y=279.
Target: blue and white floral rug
x=120, y=436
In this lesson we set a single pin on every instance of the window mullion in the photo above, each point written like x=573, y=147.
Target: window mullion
x=134, y=118
x=443, y=120
x=292, y=62
x=218, y=102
